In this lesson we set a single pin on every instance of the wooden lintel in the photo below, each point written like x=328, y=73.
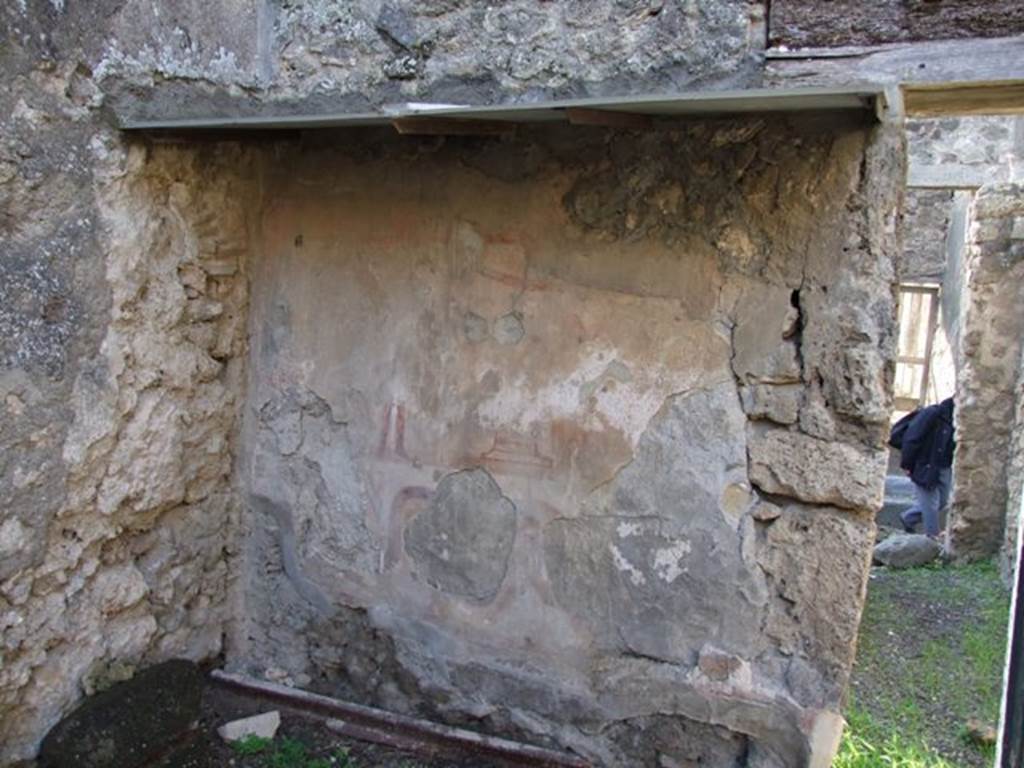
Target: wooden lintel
x=451, y=126
x=985, y=98
x=607, y=118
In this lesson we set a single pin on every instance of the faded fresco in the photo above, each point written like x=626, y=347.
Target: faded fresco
x=525, y=416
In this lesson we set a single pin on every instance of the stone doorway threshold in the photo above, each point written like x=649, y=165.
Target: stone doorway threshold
x=399, y=731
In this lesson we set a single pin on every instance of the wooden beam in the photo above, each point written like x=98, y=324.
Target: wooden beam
x=943, y=61
x=451, y=126
x=608, y=118
x=975, y=98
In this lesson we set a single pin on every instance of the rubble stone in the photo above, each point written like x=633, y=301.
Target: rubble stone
x=907, y=550
x=263, y=726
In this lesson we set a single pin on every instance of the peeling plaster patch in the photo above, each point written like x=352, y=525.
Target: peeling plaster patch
x=666, y=561
x=627, y=567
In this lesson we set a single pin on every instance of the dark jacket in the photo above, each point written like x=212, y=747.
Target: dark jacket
x=928, y=444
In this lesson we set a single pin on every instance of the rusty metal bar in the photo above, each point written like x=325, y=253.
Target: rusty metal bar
x=402, y=731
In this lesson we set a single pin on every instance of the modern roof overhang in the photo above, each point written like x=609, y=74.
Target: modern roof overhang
x=625, y=112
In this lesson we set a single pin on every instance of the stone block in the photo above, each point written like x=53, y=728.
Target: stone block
x=780, y=404
x=821, y=472
x=765, y=319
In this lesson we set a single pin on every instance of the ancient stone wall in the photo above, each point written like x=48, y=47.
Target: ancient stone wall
x=122, y=333
x=360, y=55
x=126, y=563
x=1014, y=484
x=989, y=354
x=560, y=435
x=123, y=296
x=964, y=152
x=810, y=23
x=926, y=222
x=123, y=287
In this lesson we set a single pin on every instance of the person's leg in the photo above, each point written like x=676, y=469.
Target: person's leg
x=913, y=515
x=929, y=502
x=945, y=487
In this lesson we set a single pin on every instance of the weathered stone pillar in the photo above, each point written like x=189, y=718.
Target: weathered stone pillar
x=989, y=352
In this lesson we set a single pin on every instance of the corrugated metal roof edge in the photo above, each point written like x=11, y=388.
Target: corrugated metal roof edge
x=657, y=105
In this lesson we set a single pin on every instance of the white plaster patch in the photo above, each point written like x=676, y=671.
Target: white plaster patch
x=626, y=530
x=626, y=406
x=666, y=561
x=627, y=567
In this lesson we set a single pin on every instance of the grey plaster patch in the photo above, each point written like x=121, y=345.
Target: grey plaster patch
x=462, y=541
x=761, y=351
x=508, y=329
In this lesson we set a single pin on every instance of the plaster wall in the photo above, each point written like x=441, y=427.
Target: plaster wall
x=564, y=437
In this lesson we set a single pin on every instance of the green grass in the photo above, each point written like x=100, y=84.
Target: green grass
x=290, y=753
x=930, y=658
x=869, y=744
x=250, y=745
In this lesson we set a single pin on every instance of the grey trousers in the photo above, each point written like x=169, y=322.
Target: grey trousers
x=928, y=502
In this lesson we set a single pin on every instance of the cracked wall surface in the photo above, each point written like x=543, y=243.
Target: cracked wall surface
x=562, y=437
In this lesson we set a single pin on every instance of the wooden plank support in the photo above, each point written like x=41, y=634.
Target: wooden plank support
x=941, y=61
x=975, y=98
x=451, y=126
x=401, y=731
x=608, y=118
